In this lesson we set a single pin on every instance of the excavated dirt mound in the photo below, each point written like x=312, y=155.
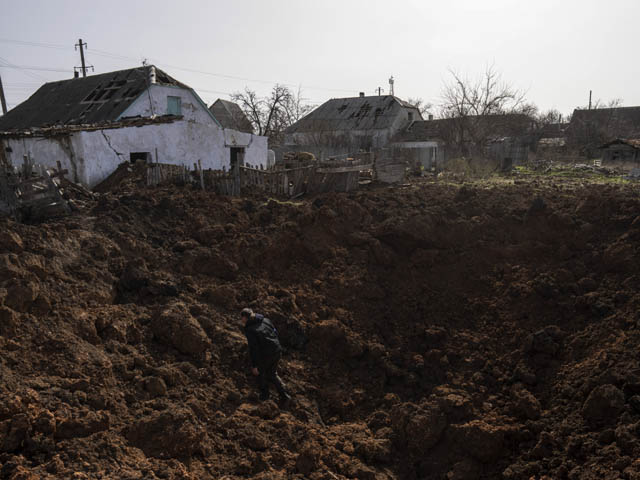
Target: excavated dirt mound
x=459, y=331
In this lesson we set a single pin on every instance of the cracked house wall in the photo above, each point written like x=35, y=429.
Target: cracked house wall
x=67, y=149
x=91, y=156
x=178, y=143
x=154, y=101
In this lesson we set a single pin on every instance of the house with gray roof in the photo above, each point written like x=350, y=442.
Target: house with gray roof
x=621, y=152
x=231, y=116
x=92, y=124
x=343, y=126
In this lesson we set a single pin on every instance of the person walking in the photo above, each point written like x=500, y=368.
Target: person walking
x=265, y=352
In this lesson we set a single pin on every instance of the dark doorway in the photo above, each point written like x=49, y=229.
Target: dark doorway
x=237, y=157
x=135, y=156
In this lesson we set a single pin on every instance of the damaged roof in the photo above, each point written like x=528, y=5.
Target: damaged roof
x=230, y=115
x=354, y=113
x=86, y=100
x=58, y=130
x=486, y=126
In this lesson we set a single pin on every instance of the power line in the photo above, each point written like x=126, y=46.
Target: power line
x=42, y=69
x=29, y=74
x=116, y=56
x=23, y=84
x=34, y=44
x=102, y=53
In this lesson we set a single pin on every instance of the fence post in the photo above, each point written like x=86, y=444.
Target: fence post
x=201, y=174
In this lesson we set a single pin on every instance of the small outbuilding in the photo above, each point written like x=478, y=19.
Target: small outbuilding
x=622, y=152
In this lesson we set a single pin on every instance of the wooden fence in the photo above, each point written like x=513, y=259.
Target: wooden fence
x=390, y=167
x=342, y=176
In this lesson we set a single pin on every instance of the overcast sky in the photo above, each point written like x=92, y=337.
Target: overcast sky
x=555, y=50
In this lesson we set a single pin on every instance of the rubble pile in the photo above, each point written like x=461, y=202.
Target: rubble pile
x=433, y=331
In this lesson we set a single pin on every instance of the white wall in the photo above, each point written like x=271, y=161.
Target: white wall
x=66, y=149
x=154, y=102
x=255, y=146
x=91, y=156
x=178, y=143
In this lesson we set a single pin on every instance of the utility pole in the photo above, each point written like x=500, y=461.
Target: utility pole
x=83, y=67
x=379, y=91
x=4, y=102
x=590, y=92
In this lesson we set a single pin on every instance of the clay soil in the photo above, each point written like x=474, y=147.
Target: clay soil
x=432, y=331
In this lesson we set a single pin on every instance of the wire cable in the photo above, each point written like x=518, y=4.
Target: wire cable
x=116, y=56
x=29, y=74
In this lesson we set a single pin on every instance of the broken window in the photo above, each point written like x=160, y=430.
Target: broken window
x=174, y=106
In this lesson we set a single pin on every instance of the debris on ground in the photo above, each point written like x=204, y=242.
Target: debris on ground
x=32, y=193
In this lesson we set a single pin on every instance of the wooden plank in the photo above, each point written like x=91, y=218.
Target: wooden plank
x=355, y=168
x=201, y=175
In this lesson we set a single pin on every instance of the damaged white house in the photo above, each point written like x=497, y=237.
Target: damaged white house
x=93, y=124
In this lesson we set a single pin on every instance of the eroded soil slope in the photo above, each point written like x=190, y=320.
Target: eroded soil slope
x=434, y=331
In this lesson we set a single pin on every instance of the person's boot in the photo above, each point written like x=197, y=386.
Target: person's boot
x=282, y=390
x=285, y=397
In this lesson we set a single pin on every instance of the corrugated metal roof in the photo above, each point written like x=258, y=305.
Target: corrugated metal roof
x=230, y=115
x=354, y=113
x=92, y=99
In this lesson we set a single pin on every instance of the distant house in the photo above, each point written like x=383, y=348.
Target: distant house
x=231, y=116
x=344, y=126
x=623, y=152
x=429, y=143
x=93, y=124
x=589, y=129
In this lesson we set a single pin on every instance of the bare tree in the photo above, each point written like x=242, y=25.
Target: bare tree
x=297, y=107
x=253, y=108
x=549, y=117
x=271, y=115
x=487, y=95
x=613, y=103
x=467, y=103
x=425, y=108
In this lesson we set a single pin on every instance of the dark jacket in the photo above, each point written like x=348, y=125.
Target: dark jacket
x=263, y=340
